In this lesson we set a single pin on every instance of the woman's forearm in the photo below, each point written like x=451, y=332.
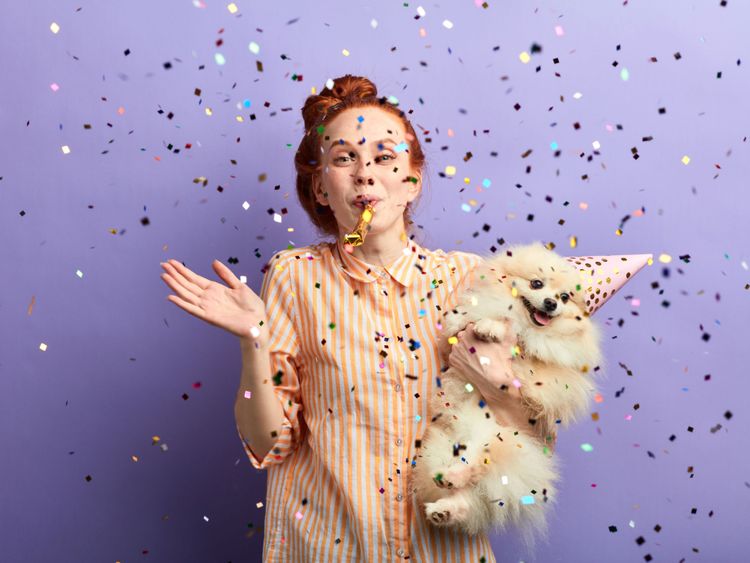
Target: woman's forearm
x=259, y=417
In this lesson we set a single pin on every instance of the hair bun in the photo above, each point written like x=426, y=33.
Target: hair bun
x=345, y=88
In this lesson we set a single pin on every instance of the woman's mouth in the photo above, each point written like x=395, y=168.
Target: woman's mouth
x=363, y=201
x=539, y=318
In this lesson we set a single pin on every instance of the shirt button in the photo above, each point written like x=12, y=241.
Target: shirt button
x=400, y=552
x=399, y=497
x=399, y=442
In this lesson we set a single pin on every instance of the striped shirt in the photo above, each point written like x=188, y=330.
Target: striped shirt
x=354, y=360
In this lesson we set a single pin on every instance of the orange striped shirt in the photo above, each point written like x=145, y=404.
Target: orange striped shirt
x=354, y=360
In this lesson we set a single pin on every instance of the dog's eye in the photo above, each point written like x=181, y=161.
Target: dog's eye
x=564, y=297
x=537, y=284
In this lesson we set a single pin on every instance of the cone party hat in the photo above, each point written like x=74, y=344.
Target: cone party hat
x=603, y=276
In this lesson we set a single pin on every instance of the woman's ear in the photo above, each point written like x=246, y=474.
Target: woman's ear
x=415, y=187
x=320, y=195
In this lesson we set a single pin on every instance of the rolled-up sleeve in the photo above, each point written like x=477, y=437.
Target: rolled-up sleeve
x=278, y=295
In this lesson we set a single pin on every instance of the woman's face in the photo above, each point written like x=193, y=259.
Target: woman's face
x=364, y=158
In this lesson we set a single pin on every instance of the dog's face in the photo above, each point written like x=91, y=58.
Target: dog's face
x=547, y=289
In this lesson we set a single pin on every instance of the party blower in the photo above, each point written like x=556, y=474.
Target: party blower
x=357, y=236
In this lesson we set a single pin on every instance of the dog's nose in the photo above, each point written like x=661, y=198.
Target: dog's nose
x=550, y=304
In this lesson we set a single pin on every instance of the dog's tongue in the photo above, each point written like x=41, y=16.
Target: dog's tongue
x=541, y=318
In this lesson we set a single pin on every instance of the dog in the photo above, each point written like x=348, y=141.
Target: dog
x=476, y=471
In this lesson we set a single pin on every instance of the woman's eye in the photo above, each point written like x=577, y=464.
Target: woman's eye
x=384, y=156
x=537, y=284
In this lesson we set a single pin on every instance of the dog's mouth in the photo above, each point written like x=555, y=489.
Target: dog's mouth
x=539, y=318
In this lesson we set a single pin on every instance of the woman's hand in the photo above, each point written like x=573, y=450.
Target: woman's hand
x=486, y=365
x=235, y=308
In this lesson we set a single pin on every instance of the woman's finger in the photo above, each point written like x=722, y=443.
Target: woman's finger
x=182, y=280
x=185, y=294
x=189, y=275
x=226, y=274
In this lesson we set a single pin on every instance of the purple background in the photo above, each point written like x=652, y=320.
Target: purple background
x=120, y=357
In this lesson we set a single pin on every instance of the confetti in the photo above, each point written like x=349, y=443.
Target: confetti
x=254, y=47
x=54, y=28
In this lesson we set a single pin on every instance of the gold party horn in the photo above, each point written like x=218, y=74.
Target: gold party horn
x=357, y=236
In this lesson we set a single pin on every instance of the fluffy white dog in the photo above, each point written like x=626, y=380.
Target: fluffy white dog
x=477, y=469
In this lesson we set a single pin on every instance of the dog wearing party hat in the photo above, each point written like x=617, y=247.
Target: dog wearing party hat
x=479, y=469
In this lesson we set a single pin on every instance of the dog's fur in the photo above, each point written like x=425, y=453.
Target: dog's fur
x=473, y=469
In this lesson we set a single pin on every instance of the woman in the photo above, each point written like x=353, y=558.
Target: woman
x=339, y=352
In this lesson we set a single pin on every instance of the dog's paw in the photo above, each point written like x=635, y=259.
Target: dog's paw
x=489, y=330
x=436, y=514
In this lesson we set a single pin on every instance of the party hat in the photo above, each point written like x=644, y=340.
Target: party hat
x=603, y=276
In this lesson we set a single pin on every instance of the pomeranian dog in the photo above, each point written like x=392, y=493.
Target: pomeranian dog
x=476, y=470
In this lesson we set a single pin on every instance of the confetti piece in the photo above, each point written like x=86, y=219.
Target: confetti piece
x=220, y=60
x=345, y=52
x=245, y=205
x=573, y=241
x=686, y=160
x=665, y=258
x=54, y=28
x=232, y=8
x=452, y=340
x=596, y=145
x=421, y=11
x=43, y=347
x=524, y=57
x=54, y=87
x=469, y=387
x=66, y=149
x=559, y=31
x=447, y=24
x=484, y=360
x=373, y=23
x=79, y=273
x=625, y=74
x=527, y=499
x=254, y=47
x=277, y=218
x=254, y=331
x=587, y=447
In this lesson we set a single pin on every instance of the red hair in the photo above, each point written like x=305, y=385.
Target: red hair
x=347, y=92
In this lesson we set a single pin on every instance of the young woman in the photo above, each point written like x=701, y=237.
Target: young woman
x=339, y=351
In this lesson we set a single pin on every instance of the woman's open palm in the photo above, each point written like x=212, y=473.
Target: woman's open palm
x=234, y=307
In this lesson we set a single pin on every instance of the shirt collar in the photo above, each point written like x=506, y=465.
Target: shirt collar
x=414, y=261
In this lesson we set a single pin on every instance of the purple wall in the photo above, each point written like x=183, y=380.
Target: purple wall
x=120, y=357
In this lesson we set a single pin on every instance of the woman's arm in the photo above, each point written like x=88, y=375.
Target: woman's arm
x=257, y=411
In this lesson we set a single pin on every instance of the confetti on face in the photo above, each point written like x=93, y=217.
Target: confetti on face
x=527, y=499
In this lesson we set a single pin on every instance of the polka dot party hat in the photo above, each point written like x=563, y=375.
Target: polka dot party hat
x=603, y=276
